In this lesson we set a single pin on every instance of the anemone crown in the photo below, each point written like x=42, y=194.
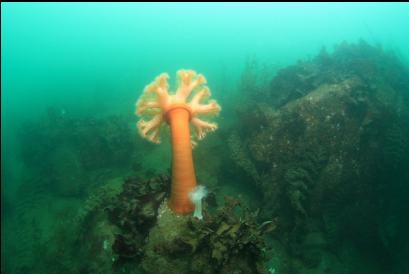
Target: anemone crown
x=191, y=94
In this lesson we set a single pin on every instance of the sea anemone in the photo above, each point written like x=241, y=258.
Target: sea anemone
x=188, y=105
x=196, y=197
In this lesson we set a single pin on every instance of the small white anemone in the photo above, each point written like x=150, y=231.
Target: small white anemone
x=196, y=196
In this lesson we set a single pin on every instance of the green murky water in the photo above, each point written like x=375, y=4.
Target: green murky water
x=312, y=139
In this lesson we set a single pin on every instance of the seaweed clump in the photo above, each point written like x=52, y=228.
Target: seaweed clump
x=134, y=212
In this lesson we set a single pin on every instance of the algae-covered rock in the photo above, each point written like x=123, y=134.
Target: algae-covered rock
x=326, y=147
x=227, y=242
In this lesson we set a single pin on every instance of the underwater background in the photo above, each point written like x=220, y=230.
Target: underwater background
x=307, y=171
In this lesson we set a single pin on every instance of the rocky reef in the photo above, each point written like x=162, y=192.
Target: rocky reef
x=323, y=144
x=327, y=148
x=69, y=165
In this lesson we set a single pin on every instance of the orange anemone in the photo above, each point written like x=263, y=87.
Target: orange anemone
x=186, y=108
